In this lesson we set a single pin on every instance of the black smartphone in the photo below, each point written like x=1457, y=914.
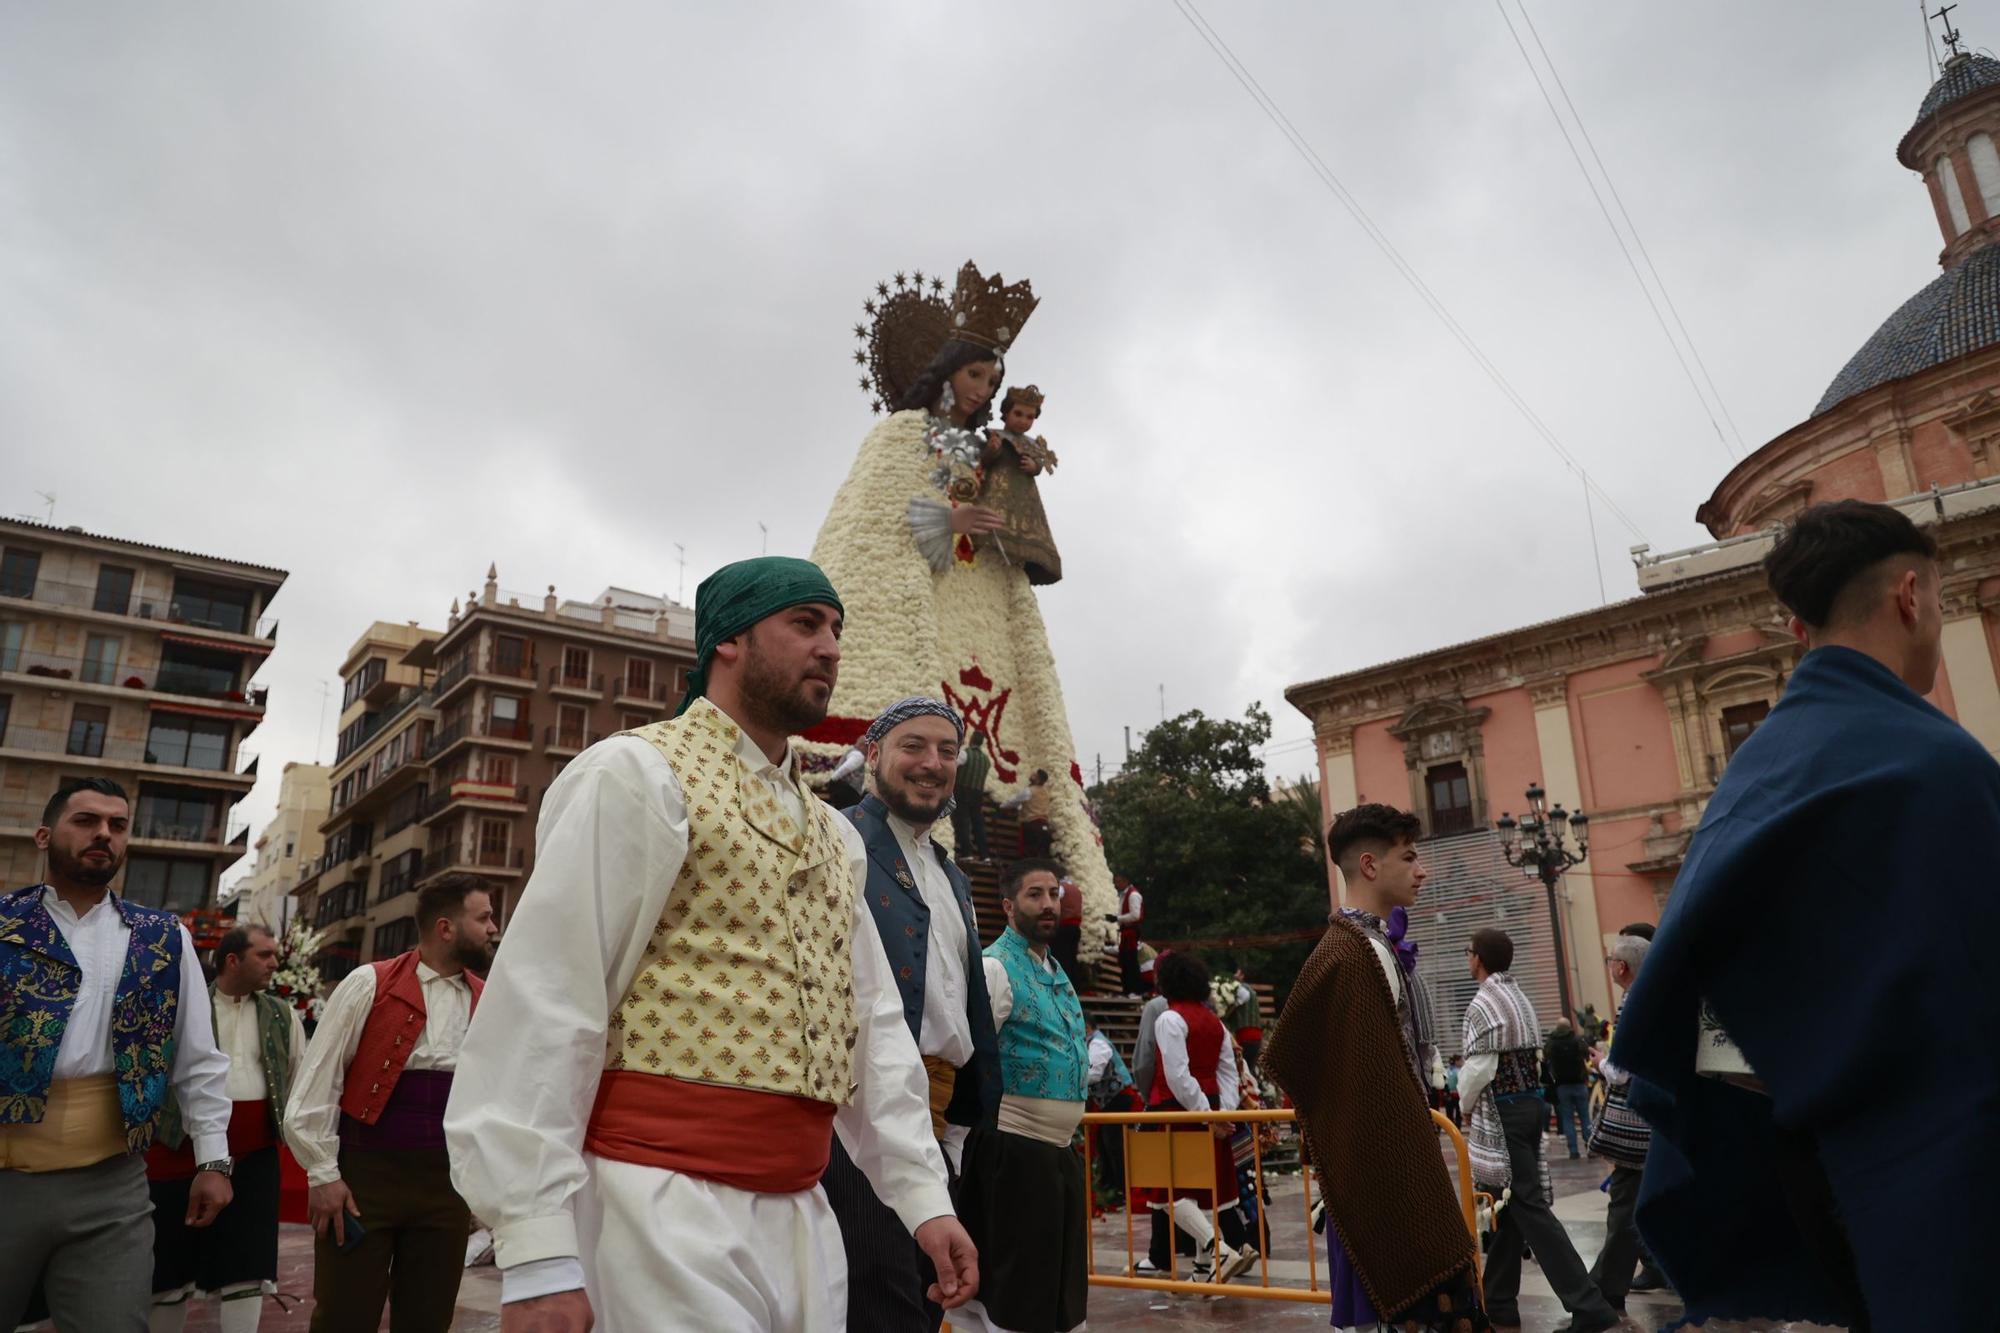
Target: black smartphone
x=354, y=1232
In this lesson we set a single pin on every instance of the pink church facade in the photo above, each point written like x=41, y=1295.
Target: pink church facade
x=1631, y=711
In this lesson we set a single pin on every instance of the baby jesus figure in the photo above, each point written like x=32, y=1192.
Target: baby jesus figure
x=1019, y=411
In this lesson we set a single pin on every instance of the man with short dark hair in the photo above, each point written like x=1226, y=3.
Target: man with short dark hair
x=266, y=1045
x=367, y=1120
x=102, y=1011
x=1024, y=1198
x=1349, y=1049
x=1857, y=823
x=1501, y=1087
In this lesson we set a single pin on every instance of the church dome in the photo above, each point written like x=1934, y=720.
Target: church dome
x=1961, y=78
x=1957, y=313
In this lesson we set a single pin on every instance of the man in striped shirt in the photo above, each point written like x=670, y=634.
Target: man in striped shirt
x=1501, y=1086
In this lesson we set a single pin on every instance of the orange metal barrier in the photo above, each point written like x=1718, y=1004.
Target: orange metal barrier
x=1183, y=1158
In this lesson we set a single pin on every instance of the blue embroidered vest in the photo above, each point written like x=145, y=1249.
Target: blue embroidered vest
x=1043, y=1050
x=39, y=980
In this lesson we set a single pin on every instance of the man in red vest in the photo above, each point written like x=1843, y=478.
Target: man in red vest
x=367, y=1121
x=1131, y=913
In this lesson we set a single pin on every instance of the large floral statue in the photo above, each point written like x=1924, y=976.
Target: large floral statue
x=936, y=542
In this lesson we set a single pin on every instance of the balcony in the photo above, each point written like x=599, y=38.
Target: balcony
x=517, y=734
x=569, y=740
x=58, y=594
x=653, y=696
x=479, y=663
x=400, y=876
x=388, y=779
x=578, y=685
x=55, y=745
x=502, y=862
x=161, y=828
x=169, y=678
x=498, y=797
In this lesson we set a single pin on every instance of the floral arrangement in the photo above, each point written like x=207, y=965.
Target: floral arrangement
x=297, y=981
x=1222, y=994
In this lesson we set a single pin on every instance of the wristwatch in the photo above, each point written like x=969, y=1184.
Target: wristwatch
x=221, y=1166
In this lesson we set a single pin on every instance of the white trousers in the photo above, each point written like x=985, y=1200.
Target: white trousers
x=664, y=1251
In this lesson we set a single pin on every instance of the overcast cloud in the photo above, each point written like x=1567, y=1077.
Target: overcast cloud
x=379, y=293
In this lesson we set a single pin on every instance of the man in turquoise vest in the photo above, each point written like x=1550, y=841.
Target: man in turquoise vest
x=102, y=1008
x=266, y=1044
x=1023, y=1195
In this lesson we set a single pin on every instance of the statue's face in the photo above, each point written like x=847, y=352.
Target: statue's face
x=972, y=387
x=1021, y=418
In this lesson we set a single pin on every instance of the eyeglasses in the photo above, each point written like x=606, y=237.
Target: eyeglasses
x=1469, y=951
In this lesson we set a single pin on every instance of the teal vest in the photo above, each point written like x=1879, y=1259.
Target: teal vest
x=39, y=980
x=1043, y=1049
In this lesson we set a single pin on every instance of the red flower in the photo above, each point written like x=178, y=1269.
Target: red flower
x=963, y=549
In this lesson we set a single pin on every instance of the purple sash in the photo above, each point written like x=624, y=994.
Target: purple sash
x=412, y=1118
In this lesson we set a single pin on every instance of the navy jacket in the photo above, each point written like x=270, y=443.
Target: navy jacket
x=1837, y=909
x=903, y=920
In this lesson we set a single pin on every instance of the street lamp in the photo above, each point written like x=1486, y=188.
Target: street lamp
x=1537, y=843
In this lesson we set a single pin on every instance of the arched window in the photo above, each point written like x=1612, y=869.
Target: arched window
x=1985, y=170
x=1947, y=179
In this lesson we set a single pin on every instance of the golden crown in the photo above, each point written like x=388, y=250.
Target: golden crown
x=987, y=311
x=909, y=321
x=1028, y=395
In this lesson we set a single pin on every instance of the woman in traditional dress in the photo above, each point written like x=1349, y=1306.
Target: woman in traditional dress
x=936, y=554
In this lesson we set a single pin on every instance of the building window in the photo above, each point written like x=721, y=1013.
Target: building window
x=189, y=742
x=1739, y=722
x=576, y=666
x=12, y=638
x=395, y=937
x=212, y=606
x=367, y=678
x=570, y=719
x=6, y=710
x=114, y=590
x=497, y=769
x=87, y=725
x=199, y=671
x=510, y=657
x=1954, y=202
x=506, y=718
x=638, y=678
x=177, y=815
x=634, y=721
x=100, y=659
x=158, y=881
x=1450, y=793
x=494, y=838
x=1985, y=170
x=18, y=568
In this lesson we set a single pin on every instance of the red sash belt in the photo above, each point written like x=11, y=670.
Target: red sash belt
x=746, y=1139
x=249, y=1130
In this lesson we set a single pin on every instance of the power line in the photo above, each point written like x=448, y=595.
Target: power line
x=1733, y=451
x=1272, y=112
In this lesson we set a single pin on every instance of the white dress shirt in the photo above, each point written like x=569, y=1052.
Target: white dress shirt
x=1046, y=1118
x=946, y=1032
x=99, y=940
x=1171, y=1030
x=612, y=836
x=241, y=1038
x=1134, y=909
x=312, y=1114
x=1100, y=1056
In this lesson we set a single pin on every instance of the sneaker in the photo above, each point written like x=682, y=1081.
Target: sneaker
x=1235, y=1263
x=1144, y=1268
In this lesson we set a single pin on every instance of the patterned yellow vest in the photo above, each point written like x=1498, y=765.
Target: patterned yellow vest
x=748, y=980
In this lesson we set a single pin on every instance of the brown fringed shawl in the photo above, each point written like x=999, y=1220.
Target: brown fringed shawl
x=1366, y=1125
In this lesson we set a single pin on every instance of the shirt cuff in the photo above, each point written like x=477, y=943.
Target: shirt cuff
x=210, y=1147
x=920, y=1205
x=540, y=1277
x=536, y=1238
x=323, y=1175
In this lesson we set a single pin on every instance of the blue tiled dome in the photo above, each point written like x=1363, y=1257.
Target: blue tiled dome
x=1958, y=81
x=1959, y=312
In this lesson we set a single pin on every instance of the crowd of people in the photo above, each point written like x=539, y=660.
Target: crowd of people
x=755, y=1072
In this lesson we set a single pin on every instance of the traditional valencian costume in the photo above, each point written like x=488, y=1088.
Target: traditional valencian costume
x=650, y=1092
x=944, y=615
x=1858, y=828
x=1348, y=1052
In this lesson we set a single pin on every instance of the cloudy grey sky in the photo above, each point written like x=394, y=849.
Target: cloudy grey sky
x=379, y=292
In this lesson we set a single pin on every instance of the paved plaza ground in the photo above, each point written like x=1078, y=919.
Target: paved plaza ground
x=1579, y=1204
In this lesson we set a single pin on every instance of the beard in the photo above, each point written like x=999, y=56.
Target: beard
x=1036, y=929
x=778, y=700
x=906, y=802
x=472, y=954
x=76, y=870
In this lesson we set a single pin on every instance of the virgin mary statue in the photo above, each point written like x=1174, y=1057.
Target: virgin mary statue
x=936, y=542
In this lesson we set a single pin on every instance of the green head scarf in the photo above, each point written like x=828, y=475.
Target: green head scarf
x=737, y=596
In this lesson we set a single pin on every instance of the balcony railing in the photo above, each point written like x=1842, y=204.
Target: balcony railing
x=168, y=679
x=569, y=738
x=465, y=789
x=502, y=858
x=653, y=695
x=480, y=729
x=583, y=682
x=142, y=606
x=162, y=829
x=474, y=662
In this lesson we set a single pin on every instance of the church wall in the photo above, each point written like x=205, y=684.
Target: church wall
x=1378, y=765
x=1513, y=755
x=1730, y=644
x=1625, y=741
x=1940, y=459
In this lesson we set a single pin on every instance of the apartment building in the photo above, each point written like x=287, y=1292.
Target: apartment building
x=135, y=662
x=449, y=741
x=288, y=846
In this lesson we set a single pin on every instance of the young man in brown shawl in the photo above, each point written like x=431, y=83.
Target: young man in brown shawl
x=1347, y=1049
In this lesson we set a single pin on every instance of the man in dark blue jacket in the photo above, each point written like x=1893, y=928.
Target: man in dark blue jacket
x=1837, y=1168
x=922, y=905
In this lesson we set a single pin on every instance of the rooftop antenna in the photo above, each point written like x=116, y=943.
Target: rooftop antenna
x=680, y=589
x=1951, y=37
x=767, y=539
x=49, y=496
x=1930, y=42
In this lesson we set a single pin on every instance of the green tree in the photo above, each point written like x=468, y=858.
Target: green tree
x=1192, y=819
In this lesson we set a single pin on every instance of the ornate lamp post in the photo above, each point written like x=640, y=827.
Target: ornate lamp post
x=1536, y=843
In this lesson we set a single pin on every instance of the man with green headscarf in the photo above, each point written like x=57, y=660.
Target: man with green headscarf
x=700, y=1004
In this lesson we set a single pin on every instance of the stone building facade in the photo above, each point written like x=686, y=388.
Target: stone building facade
x=288, y=845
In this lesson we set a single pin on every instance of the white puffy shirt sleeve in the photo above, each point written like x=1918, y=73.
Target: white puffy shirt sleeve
x=1228, y=1085
x=312, y=1108
x=886, y=1130
x=609, y=844
x=200, y=1068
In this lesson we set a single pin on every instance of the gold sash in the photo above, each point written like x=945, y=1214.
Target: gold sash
x=944, y=1077
x=82, y=1127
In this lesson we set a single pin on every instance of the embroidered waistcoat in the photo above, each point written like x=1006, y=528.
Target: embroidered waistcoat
x=1043, y=1049
x=274, y=1045
x=39, y=981
x=748, y=978
x=395, y=1022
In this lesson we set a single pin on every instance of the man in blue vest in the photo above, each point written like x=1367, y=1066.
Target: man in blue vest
x=922, y=905
x=102, y=1007
x=1023, y=1198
